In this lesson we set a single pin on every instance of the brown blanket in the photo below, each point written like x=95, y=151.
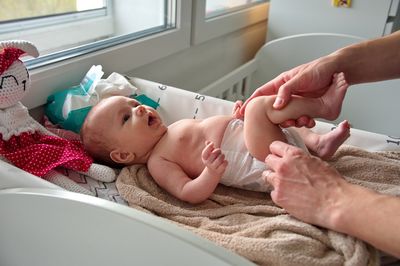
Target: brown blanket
x=249, y=223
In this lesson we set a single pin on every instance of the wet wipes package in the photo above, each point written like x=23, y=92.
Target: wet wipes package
x=68, y=108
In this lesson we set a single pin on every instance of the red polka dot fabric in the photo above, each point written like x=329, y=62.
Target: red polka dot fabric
x=38, y=154
x=8, y=56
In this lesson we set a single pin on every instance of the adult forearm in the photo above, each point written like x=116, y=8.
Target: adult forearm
x=372, y=217
x=369, y=61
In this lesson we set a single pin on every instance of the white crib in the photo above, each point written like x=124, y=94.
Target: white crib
x=366, y=106
x=42, y=224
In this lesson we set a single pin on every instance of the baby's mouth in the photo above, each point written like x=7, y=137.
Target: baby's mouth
x=151, y=120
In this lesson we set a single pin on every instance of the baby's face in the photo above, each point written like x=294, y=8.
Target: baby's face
x=130, y=126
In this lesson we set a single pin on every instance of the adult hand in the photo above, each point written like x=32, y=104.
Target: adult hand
x=307, y=187
x=308, y=80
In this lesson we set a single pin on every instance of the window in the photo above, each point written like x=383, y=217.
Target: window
x=216, y=8
x=54, y=25
x=13, y=10
x=120, y=35
x=213, y=18
x=135, y=37
x=63, y=29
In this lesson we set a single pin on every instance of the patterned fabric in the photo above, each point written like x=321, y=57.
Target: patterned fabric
x=38, y=154
x=8, y=56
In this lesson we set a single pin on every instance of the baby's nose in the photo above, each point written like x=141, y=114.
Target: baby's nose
x=140, y=110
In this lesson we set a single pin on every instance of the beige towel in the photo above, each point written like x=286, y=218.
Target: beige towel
x=249, y=224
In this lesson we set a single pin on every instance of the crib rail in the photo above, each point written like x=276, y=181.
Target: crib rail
x=234, y=86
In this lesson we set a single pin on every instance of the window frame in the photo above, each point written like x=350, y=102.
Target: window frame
x=50, y=20
x=119, y=58
x=204, y=29
x=191, y=29
x=63, y=27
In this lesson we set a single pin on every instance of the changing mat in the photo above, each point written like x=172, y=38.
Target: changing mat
x=250, y=224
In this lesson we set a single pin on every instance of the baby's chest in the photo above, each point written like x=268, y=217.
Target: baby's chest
x=185, y=145
x=185, y=134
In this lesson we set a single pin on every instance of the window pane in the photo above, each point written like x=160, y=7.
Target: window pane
x=62, y=29
x=219, y=7
x=23, y=9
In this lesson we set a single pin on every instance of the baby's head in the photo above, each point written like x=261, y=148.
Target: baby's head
x=120, y=131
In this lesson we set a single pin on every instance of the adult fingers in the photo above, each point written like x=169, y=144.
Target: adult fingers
x=269, y=88
x=284, y=94
x=288, y=123
x=311, y=123
x=274, y=197
x=273, y=180
x=268, y=176
x=295, y=81
x=305, y=121
x=280, y=149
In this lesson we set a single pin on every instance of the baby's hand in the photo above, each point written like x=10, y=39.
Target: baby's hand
x=236, y=110
x=214, y=159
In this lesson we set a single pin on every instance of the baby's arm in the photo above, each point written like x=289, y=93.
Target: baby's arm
x=172, y=178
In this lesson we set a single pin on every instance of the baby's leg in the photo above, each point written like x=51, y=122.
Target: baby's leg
x=324, y=146
x=328, y=106
x=259, y=130
x=261, y=119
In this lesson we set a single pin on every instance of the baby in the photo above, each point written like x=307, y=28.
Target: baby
x=191, y=156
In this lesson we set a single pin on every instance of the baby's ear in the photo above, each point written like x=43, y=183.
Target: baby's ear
x=122, y=157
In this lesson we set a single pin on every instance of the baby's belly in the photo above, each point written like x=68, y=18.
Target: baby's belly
x=193, y=143
x=214, y=129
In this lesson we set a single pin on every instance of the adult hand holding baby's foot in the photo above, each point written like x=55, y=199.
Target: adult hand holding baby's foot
x=214, y=159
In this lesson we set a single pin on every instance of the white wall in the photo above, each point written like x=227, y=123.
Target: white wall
x=199, y=65
x=365, y=18
x=366, y=106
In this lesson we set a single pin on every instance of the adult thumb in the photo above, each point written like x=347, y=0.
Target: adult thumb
x=284, y=95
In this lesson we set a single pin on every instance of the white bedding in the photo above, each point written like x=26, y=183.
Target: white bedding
x=174, y=104
x=177, y=104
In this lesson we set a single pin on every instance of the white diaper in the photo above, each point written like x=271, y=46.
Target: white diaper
x=244, y=171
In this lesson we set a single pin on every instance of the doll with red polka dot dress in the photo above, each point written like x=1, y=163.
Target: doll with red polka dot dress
x=24, y=142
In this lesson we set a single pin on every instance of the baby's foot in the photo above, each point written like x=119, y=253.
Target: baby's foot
x=333, y=98
x=330, y=142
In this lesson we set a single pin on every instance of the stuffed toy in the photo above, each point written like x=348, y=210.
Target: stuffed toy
x=24, y=142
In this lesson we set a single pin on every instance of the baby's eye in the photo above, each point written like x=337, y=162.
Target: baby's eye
x=126, y=118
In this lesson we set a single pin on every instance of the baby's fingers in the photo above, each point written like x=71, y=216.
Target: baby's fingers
x=236, y=109
x=215, y=157
x=218, y=165
x=205, y=154
x=238, y=105
x=220, y=169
